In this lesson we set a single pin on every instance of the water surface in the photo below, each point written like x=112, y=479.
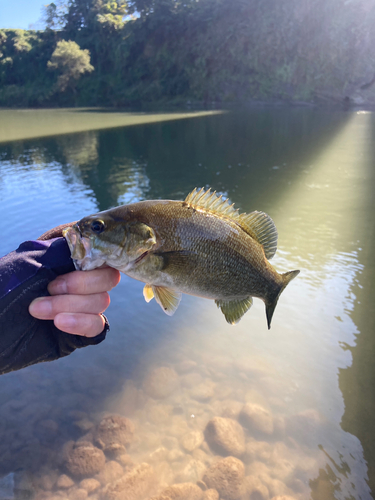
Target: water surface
x=313, y=172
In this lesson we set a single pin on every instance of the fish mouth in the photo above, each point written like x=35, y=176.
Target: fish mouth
x=79, y=246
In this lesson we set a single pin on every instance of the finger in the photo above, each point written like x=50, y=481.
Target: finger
x=85, y=282
x=87, y=325
x=49, y=307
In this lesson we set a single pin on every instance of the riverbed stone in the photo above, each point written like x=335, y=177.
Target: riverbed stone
x=89, y=485
x=227, y=477
x=114, y=430
x=136, y=484
x=183, y=491
x=256, y=418
x=255, y=488
x=161, y=382
x=84, y=459
x=192, y=440
x=210, y=494
x=225, y=436
x=78, y=494
x=111, y=471
x=229, y=408
x=191, y=472
x=64, y=482
x=203, y=392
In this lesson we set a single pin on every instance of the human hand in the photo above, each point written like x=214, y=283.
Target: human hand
x=77, y=301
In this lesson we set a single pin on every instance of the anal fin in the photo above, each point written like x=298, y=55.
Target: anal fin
x=167, y=298
x=233, y=310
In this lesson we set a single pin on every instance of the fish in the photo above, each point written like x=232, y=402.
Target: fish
x=201, y=246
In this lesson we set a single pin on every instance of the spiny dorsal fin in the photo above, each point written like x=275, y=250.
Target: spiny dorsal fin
x=211, y=202
x=233, y=310
x=258, y=225
x=262, y=228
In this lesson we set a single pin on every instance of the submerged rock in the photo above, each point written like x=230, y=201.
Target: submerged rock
x=225, y=436
x=78, y=494
x=160, y=382
x=114, y=430
x=64, y=482
x=191, y=472
x=136, y=484
x=255, y=488
x=183, y=491
x=192, y=440
x=227, y=477
x=111, y=471
x=89, y=485
x=84, y=459
x=211, y=494
x=256, y=418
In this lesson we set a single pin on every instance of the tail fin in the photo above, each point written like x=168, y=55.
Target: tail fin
x=270, y=307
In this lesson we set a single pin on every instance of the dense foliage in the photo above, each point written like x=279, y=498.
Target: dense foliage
x=199, y=50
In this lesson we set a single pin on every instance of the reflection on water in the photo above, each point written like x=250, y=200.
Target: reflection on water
x=158, y=409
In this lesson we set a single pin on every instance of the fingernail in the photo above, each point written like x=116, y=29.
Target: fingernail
x=58, y=287
x=40, y=308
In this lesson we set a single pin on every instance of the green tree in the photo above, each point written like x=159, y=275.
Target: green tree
x=92, y=14
x=53, y=14
x=71, y=62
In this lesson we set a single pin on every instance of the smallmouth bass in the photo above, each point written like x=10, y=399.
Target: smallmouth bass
x=201, y=246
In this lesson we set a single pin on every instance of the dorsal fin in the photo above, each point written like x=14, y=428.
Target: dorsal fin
x=262, y=228
x=211, y=202
x=258, y=225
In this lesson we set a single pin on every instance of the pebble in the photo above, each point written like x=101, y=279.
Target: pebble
x=78, y=494
x=158, y=455
x=191, y=472
x=114, y=429
x=258, y=450
x=161, y=382
x=84, y=424
x=192, y=440
x=229, y=408
x=225, y=436
x=211, y=494
x=256, y=418
x=227, y=477
x=164, y=473
x=136, y=484
x=89, y=485
x=183, y=491
x=203, y=392
x=64, y=481
x=255, y=488
x=111, y=471
x=84, y=459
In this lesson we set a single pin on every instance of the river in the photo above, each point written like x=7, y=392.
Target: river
x=309, y=380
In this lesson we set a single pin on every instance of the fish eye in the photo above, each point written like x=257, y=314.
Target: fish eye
x=97, y=226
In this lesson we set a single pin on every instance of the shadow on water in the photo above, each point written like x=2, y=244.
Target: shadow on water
x=300, y=166
x=357, y=382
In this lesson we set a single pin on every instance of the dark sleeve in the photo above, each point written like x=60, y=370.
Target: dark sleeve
x=24, y=276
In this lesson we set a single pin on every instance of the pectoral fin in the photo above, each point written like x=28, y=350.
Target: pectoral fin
x=167, y=298
x=148, y=294
x=233, y=310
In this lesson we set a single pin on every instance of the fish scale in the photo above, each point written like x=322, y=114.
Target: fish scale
x=200, y=246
